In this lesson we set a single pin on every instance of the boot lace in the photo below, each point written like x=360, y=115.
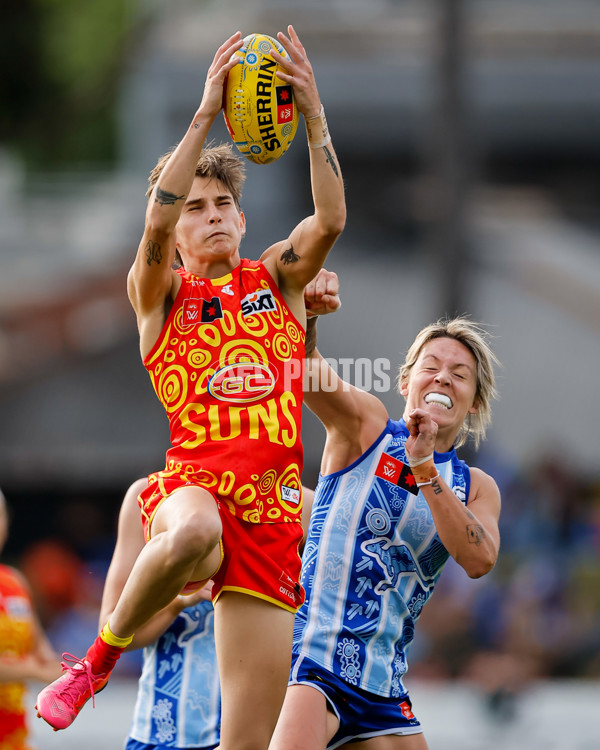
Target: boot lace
x=79, y=669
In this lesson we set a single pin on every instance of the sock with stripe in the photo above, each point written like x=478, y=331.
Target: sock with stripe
x=105, y=651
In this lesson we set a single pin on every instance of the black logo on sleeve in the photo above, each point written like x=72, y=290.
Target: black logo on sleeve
x=211, y=310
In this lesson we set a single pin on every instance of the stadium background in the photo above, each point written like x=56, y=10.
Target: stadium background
x=468, y=137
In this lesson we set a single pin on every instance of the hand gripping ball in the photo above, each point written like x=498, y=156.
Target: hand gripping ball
x=259, y=108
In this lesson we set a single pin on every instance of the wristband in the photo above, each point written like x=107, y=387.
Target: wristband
x=425, y=472
x=412, y=462
x=317, y=131
x=430, y=481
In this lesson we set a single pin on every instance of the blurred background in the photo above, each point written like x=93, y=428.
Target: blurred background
x=468, y=136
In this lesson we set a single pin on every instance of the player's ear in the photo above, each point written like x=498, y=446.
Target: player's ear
x=243, y=222
x=474, y=408
x=403, y=387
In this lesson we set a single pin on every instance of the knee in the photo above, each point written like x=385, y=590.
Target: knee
x=194, y=538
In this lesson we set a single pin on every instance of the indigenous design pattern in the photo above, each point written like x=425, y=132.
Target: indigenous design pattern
x=228, y=370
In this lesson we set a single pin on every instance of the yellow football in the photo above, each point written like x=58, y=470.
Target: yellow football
x=259, y=108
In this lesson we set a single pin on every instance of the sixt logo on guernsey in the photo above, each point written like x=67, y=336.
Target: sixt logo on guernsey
x=201, y=311
x=258, y=302
x=395, y=472
x=241, y=382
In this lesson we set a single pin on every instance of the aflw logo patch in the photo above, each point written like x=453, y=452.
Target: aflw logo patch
x=285, y=105
x=201, y=311
x=290, y=495
x=395, y=472
x=258, y=302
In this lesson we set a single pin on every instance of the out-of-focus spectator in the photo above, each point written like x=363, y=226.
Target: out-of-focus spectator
x=25, y=652
x=537, y=614
x=54, y=573
x=67, y=591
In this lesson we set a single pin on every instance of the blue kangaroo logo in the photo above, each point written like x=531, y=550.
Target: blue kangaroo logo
x=197, y=620
x=395, y=559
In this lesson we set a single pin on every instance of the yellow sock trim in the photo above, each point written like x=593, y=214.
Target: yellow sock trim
x=113, y=640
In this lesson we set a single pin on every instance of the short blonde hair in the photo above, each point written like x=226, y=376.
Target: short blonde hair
x=476, y=339
x=215, y=162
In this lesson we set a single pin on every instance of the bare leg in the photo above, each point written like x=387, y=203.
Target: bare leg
x=186, y=531
x=184, y=546
x=305, y=723
x=254, y=645
x=393, y=742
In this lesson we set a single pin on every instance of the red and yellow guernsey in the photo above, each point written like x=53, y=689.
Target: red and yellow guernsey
x=16, y=641
x=227, y=368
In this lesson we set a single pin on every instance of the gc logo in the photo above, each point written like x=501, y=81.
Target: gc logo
x=241, y=382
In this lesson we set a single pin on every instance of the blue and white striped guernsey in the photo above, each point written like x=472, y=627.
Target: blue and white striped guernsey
x=371, y=561
x=178, y=703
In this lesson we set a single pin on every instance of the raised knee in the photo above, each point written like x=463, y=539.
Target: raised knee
x=194, y=539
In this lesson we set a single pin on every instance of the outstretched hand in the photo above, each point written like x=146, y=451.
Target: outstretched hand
x=223, y=61
x=321, y=295
x=297, y=71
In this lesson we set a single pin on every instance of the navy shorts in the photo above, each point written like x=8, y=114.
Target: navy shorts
x=361, y=714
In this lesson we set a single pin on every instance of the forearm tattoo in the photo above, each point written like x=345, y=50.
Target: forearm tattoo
x=165, y=198
x=475, y=533
x=289, y=256
x=311, y=336
x=153, y=253
x=330, y=158
x=436, y=486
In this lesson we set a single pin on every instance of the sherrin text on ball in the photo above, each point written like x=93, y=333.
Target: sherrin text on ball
x=259, y=108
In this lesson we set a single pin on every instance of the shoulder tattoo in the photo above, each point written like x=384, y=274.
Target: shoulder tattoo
x=289, y=256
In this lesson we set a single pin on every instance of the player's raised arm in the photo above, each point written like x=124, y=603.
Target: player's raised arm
x=296, y=260
x=151, y=278
x=352, y=417
x=469, y=531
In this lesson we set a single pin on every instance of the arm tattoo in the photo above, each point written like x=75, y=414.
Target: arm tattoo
x=153, y=253
x=436, y=486
x=311, y=336
x=475, y=533
x=165, y=198
x=289, y=256
x=331, y=160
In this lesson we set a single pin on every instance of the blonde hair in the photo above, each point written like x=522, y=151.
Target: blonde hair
x=476, y=339
x=217, y=162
